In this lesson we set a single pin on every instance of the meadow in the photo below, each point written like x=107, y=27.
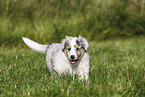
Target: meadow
x=116, y=69
x=115, y=30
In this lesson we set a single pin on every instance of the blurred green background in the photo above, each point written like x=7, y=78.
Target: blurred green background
x=50, y=20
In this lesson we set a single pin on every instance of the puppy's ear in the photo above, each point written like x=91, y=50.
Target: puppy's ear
x=83, y=43
x=64, y=43
x=66, y=37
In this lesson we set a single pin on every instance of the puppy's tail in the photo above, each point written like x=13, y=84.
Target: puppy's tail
x=34, y=45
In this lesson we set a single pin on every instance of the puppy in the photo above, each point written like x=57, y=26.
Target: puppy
x=68, y=57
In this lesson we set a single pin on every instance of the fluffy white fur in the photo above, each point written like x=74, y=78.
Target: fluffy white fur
x=34, y=45
x=58, y=56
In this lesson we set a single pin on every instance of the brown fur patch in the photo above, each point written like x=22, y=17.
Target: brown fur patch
x=81, y=54
x=65, y=52
x=78, y=53
x=76, y=46
x=69, y=46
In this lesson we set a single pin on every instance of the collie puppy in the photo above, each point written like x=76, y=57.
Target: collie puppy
x=68, y=57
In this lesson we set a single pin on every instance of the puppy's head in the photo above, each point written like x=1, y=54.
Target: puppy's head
x=74, y=48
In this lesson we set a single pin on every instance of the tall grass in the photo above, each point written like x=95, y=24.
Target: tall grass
x=51, y=20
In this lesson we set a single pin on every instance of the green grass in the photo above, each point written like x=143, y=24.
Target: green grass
x=117, y=68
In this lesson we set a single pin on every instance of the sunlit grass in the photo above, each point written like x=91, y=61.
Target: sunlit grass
x=116, y=65
x=116, y=69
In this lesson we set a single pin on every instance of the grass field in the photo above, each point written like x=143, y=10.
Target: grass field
x=117, y=68
x=117, y=62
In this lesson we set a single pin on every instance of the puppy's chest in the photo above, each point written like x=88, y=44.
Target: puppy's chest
x=62, y=68
x=61, y=63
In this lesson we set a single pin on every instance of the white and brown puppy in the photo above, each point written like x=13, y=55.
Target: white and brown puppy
x=68, y=57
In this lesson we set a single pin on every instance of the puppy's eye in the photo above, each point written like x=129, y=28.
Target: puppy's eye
x=77, y=49
x=69, y=49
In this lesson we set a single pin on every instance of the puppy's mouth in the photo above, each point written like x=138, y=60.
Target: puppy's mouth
x=73, y=62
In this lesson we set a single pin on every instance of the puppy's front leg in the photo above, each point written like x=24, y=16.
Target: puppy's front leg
x=83, y=75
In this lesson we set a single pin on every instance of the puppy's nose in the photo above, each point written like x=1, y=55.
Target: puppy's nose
x=72, y=56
